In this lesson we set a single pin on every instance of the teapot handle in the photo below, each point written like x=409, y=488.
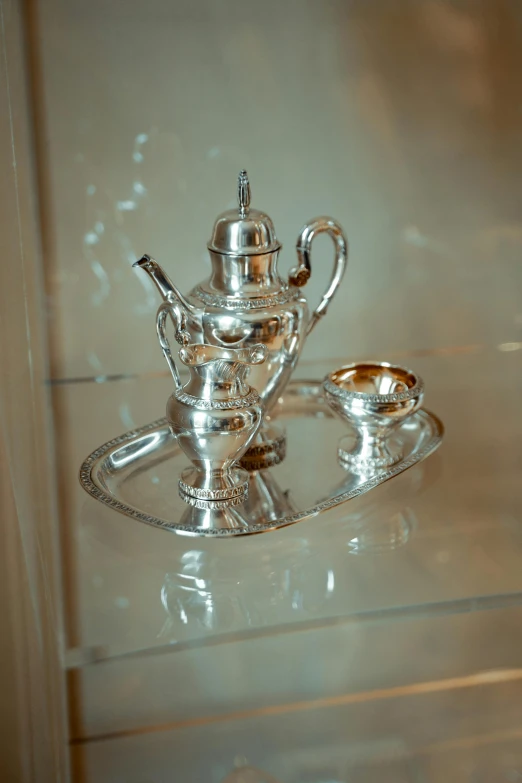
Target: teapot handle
x=300, y=274
x=182, y=337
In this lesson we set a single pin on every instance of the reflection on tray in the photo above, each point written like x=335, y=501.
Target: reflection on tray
x=212, y=592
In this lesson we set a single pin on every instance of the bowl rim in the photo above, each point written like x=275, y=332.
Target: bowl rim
x=415, y=391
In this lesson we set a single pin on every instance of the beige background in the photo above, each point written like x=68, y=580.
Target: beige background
x=400, y=119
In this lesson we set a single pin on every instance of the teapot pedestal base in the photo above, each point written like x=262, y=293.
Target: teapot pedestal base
x=227, y=485
x=268, y=448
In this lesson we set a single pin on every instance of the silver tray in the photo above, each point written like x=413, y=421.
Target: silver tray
x=137, y=473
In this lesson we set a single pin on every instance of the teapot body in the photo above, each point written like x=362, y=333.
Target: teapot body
x=278, y=319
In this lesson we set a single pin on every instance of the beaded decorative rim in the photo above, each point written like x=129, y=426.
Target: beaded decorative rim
x=288, y=294
x=410, y=394
x=264, y=455
x=252, y=398
x=239, y=490
x=347, y=458
x=207, y=505
x=262, y=463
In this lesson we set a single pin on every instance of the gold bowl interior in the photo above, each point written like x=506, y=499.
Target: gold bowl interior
x=374, y=378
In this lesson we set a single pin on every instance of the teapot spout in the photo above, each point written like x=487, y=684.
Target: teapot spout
x=165, y=286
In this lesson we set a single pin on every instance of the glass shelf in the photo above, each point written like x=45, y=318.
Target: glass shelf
x=443, y=538
x=418, y=580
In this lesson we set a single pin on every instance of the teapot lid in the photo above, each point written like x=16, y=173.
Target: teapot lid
x=245, y=231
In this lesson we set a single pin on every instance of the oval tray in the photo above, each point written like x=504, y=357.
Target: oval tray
x=137, y=473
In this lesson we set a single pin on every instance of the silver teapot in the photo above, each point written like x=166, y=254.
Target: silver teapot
x=245, y=302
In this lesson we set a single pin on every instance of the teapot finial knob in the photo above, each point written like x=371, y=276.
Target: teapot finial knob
x=243, y=193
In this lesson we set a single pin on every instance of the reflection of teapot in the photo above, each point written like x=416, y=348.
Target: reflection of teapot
x=199, y=601
x=208, y=594
x=266, y=501
x=245, y=301
x=211, y=592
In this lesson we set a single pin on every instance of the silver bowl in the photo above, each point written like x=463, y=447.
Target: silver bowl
x=374, y=397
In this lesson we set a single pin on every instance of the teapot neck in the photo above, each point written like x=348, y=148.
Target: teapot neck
x=254, y=275
x=218, y=379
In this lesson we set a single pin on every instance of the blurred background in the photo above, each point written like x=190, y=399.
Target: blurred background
x=400, y=118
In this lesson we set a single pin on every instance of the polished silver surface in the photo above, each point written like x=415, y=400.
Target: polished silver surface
x=375, y=398
x=245, y=301
x=232, y=485
x=300, y=274
x=137, y=473
x=215, y=415
x=243, y=231
x=243, y=193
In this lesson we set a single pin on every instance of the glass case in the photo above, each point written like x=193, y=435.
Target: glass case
x=380, y=639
